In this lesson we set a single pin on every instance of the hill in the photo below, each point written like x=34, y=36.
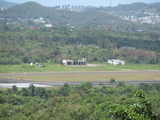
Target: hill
x=61, y=17
x=136, y=7
x=139, y=6
x=136, y=12
x=7, y=4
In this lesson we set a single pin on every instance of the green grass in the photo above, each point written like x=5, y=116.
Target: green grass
x=59, y=68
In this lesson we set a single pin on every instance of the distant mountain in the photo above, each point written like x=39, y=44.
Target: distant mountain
x=7, y=4
x=25, y=10
x=61, y=17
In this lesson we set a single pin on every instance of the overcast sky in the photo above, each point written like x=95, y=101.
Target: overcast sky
x=98, y=3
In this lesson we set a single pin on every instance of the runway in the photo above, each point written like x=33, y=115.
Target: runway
x=68, y=73
x=7, y=83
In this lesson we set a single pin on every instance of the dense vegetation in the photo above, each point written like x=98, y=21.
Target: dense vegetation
x=82, y=102
x=54, y=44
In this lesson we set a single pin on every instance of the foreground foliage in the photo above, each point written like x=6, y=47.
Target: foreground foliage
x=82, y=102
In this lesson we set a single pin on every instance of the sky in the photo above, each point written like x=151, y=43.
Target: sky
x=98, y=3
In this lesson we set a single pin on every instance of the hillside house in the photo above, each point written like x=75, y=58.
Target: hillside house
x=116, y=62
x=48, y=25
x=72, y=62
x=3, y=8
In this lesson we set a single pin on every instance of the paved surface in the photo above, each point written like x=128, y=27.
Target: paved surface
x=58, y=84
x=72, y=73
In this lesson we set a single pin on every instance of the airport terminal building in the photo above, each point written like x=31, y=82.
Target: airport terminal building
x=72, y=62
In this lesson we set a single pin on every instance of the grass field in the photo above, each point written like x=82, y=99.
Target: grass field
x=59, y=68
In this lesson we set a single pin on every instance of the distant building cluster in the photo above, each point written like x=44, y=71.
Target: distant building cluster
x=40, y=20
x=149, y=18
x=3, y=8
x=70, y=7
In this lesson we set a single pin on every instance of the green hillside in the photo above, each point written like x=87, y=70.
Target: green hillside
x=25, y=10
x=6, y=4
x=61, y=17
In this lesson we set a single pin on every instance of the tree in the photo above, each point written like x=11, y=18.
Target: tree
x=41, y=92
x=112, y=81
x=5, y=27
x=142, y=110
x=31, y=89
x=85, y=87
x=14, y=89
x=25, y=92
x=121, y=84
x=145, y=86
x=65, y=90
x=9, y=90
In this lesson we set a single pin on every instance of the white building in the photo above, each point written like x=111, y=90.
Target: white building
x=48, y=25
x=31, y=64
x=72, y=62
x=116, y=62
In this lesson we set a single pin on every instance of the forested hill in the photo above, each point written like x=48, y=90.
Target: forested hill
x=26, y=10
x=6, y=4
x=61, y=17
x=139, y=6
